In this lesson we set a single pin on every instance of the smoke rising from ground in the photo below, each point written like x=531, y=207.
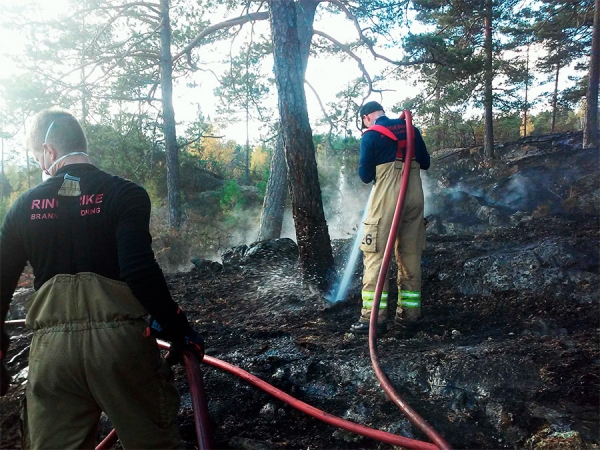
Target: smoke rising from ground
x=344, y=202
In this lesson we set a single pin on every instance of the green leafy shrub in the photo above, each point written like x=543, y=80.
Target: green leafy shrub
x=231, y=196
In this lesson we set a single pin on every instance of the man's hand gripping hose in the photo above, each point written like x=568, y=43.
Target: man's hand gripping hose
x=182, y=336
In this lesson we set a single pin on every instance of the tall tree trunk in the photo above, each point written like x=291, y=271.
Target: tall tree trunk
x=312, y=235
x=526, y=105
x=555, y=99
x=488, y=146
x=437, y=113
x=305, y=17
x=27, y=156
x=247, y=171
x=271, y=218
x=166, y=85
x=274, y=203
x=3, y=180
x=590, y=128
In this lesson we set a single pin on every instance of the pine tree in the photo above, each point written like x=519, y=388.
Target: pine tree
x=563, y=29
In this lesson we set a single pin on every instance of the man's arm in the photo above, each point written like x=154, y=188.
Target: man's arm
x=421, y=154
x=140, y=270
x=13, y=259
x=366, y=161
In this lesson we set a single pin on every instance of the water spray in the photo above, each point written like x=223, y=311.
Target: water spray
x=342, y=285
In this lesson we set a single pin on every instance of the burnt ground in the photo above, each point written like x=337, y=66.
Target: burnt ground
x=506, y=355
x=487, y=371
x=508, y=370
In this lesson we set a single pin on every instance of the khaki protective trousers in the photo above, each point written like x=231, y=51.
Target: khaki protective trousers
x=88, y=355
x=409, y=245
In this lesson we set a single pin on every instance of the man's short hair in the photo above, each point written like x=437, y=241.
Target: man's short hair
x=66, y=135
x=369, y=107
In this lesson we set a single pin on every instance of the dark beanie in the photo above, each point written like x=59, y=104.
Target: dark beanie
x=369, y=108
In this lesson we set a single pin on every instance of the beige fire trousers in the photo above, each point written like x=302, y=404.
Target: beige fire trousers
x=409, y=245
x=88, y=355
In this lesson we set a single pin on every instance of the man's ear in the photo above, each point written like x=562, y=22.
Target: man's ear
x=53, y=154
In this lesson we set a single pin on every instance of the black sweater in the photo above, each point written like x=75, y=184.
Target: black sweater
x=104, y=231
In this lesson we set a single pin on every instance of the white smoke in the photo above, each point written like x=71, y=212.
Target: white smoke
x=344, y=204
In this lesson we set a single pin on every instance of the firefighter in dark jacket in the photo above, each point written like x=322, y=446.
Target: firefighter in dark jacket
x=380, y=163
x=86, y=235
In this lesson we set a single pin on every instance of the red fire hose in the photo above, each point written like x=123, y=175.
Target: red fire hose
x=382, y=436
x=199, y=404
x=201, y=411
x=385, y=383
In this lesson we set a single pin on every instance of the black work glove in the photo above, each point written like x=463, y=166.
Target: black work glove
x=193, y=342
x=5, y=377
x=182, y=336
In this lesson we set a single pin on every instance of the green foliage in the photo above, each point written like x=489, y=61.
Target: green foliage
x=331, y=146
x=122, y=147
x=566, y=120
x=262, y=188
x=157, y=191
x=4, y=207
x=245, y=86
x=231, y=196
x=507, y=127
x=335, y=154
x=260, y=163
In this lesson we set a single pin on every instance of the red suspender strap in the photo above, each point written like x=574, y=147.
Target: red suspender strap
x=383, y=130
x=387, y=132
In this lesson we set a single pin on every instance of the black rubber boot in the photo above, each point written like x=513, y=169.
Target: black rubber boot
x=405, y=327
x=361, y=327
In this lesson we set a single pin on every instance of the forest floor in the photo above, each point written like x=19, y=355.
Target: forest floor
x=509, y=370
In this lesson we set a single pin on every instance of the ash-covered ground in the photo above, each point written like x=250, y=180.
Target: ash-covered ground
x=506, y=356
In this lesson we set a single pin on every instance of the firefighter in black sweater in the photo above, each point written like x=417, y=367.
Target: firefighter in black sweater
x=86, y=235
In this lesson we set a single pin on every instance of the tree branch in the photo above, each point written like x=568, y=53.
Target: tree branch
x=331, y=125
x=367, y=41
x=186, y=144
x=219, y=26
x=155, y=7
x=97, y=64
x=348, y=51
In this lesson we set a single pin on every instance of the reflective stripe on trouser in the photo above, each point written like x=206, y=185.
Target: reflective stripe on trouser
x=88, y=355
x=410, y=240
x=369, y=296
x=410, y=299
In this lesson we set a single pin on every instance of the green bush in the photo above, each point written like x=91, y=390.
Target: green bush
x=231, y=196
x=262, y=188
